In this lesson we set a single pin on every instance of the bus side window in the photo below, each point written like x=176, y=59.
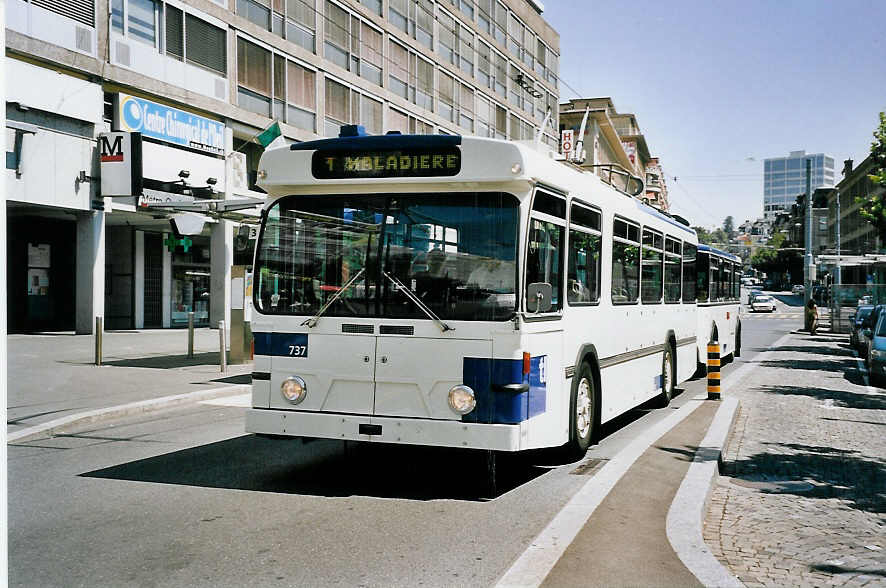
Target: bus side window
x=544, y=259
x=583, y=275
x=625, y=262
x=690, y=276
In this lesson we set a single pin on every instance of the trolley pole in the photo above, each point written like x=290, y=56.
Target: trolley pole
x=222, y=348
x=190, y=334
x=808, y=259
x=713, y=370
x=98, y=340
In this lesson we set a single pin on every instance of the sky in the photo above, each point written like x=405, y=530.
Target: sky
x=717, y=87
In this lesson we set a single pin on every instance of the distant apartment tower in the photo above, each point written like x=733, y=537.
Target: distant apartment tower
x=784, y=178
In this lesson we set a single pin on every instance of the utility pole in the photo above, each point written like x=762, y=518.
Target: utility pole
x=807, y=261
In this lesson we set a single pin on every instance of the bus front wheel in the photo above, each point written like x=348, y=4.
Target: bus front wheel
x=583, y=410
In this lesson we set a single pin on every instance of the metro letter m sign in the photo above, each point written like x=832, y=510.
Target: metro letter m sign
x=110, y=151
x=120, y=163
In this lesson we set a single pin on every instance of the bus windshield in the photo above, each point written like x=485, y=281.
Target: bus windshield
x=455, y=251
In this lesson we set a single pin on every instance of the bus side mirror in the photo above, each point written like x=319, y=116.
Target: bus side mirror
x=868, y=333
x=539, y=296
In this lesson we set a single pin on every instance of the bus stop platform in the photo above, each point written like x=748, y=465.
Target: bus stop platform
x=53, y=377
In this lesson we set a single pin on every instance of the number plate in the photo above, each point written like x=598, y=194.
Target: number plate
x=295, y=345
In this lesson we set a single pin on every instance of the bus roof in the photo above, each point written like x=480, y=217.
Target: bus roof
x=480, y=159
x=719, y=252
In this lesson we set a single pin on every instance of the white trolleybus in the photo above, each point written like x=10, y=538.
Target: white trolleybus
x=719, y=285
x=463, y=292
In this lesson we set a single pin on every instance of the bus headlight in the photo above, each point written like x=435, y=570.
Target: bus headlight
x=461, y=399
x=294, y=389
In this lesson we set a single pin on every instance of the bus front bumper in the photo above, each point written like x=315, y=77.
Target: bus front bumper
x=384, y=429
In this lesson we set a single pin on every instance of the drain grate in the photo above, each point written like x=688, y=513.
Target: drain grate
x=586, y=468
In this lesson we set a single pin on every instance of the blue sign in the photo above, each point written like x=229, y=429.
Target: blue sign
x=170, y=124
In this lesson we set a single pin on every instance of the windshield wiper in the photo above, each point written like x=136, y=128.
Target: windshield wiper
x=421, y=305
x=312, y=322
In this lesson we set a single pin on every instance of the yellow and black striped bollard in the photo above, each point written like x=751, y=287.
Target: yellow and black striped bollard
x=713, y=371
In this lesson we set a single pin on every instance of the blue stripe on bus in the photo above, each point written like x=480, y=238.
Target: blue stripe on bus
x=499, y=407
x=281, y=344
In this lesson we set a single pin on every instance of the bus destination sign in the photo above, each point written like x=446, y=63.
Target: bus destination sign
x=400, y=163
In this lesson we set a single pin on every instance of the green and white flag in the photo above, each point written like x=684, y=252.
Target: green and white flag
x=271, y=137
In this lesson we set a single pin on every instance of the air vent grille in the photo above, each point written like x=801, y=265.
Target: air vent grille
x=84, y=39
x=396, y=330
x=364, y=329
x=123, y=54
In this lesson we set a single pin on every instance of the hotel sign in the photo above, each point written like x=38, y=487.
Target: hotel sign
x=170, y=125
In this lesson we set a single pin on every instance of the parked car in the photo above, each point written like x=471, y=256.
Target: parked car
x=867, y=328
x=798, y=289
x=855, y=324
x=763, y=303
x=876, y=358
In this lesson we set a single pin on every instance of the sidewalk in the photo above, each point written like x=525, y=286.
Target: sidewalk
x=52, y=375
x=802, y=495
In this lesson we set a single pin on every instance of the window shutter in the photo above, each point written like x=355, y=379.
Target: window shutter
x=174, y=32
x=83, y=11
x=206, y=45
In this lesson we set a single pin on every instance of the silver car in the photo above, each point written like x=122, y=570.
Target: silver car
x=763, y=304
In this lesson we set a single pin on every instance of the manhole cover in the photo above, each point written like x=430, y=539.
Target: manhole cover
x=588, y=467
x=775, y=486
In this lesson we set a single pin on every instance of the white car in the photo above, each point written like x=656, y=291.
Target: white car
x=763, y=304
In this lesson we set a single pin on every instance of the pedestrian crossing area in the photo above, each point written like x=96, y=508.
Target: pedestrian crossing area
x=772, y=315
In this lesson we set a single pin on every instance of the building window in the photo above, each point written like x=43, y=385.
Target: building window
x=411, y=77
x=500, y=74
x=353, y=44
x=484, y=65
x=373, y=5
x=136, y=19
x=345, y=106
x=301, y=23
x=484, y=15
x=195, y=41
x=446, y=104
x=448, y=33
x=256, y=11
x=415, y=18
x=301, y=97
x=466, y=50
x=253, y=77
x=466, y=108
x=500, y=24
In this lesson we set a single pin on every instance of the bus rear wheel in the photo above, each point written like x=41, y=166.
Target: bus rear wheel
x=668, y=365
x=583, y=411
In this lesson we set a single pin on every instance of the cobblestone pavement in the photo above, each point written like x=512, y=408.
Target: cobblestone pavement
x=802, y=498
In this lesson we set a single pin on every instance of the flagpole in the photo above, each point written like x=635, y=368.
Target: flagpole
x=252, y=138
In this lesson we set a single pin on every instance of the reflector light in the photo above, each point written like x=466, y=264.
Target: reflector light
x=527, y=363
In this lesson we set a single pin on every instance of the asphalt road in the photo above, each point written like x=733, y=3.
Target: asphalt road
x=185, y=498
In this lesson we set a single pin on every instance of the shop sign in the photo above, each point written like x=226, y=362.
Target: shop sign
x=170, y=125
x=149, y=197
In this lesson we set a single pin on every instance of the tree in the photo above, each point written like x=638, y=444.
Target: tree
x=704, y=236
x=873, y=206
x=729, y=226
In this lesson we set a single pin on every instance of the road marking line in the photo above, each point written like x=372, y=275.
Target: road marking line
x=537, y=561
x=687, y=513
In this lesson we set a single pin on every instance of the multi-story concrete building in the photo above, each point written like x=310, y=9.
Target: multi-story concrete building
x=199, y=79
x=857, y=236
x=784, y=178
x=615, y=138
